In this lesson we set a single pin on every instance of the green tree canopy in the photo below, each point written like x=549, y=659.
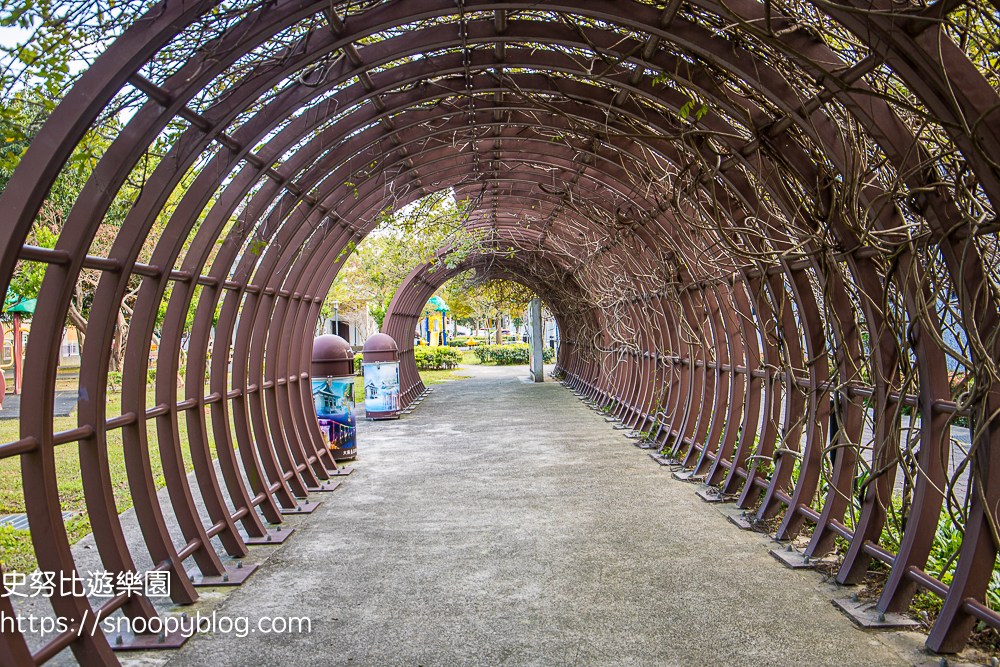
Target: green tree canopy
x=402, y=240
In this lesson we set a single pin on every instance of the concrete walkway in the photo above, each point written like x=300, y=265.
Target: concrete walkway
x=504, y=523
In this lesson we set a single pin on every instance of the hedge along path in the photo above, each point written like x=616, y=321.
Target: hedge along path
x=506, y=355
x=436, y=357
x=745, y=218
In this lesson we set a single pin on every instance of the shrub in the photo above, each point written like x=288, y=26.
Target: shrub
x=424, y=357
x=507, y=355
x=436, y=358
x=445, y=357
x=114, y=380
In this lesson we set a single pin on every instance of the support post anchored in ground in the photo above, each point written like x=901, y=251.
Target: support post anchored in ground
x=537, y=355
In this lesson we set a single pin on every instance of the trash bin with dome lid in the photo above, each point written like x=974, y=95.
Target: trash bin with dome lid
x=381, y=364
x=333, y=394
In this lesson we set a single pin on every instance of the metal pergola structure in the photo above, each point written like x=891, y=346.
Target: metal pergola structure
x=745, y=217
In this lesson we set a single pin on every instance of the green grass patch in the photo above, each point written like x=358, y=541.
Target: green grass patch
x=437, y=377
x=16, y=551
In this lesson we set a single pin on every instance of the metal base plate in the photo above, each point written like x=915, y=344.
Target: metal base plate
x=610, y=419
x=234, y=576
x=273, y=537
x=740, y=522
x=687, y=476
x=709, y=496
x=865, y=615
x=323, y=486
x=340, y=472
x=662, y=460
x=795, y=560
x=127, y=641
x=303, y=508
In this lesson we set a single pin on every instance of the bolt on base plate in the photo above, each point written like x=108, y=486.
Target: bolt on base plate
x=791, y=558
x=661, y=459
x=301, y=508
x=234, y=576
x=126, y=641
x=687, y=476
x=273, y=537
x=709, y=496
x=323, y=486
x=865, y=615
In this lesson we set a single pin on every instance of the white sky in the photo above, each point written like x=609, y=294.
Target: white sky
x=10, y=36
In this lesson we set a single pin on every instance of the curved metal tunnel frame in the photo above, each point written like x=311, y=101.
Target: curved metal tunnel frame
x=708, y=349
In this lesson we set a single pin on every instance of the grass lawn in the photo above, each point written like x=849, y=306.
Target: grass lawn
x=16, y=551
x=429, y=378
x=437, y=377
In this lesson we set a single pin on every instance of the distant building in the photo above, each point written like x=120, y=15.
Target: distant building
x=354, y=326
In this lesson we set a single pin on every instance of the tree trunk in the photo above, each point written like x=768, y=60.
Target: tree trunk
x=117, y=353
x=79, y=323
x=181, y=366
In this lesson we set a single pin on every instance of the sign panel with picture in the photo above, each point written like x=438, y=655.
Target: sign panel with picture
x=333, y=398
x=381, y=389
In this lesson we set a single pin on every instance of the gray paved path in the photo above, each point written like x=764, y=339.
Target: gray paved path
x=505, y=524
x=65, y=404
